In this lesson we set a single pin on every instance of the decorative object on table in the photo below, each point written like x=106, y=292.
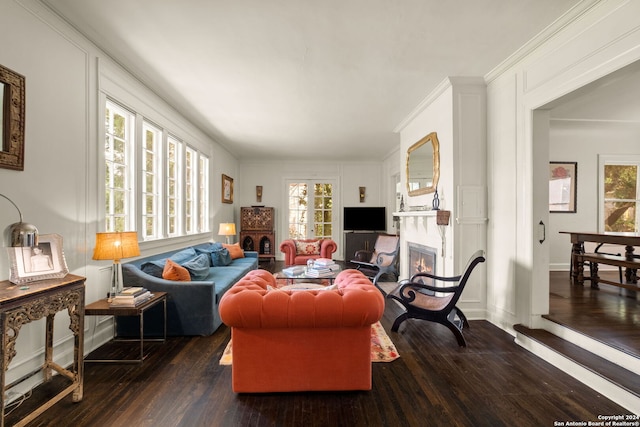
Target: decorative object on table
x=42, y=261
x=227, y=229
x=227, y=189
x=435, y=204
x=362, y=193
x=116, y=246
x=563, y=186
x=259, y=193
x=12, y=115
x=401, y=203
x=20, y=234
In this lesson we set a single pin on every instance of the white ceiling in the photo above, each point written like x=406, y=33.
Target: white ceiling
x=287, y=79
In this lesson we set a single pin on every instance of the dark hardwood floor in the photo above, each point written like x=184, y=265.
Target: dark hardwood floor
x=492, y=382
x=603, y=314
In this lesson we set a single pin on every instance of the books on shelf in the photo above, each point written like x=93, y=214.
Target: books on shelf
x=131, y=297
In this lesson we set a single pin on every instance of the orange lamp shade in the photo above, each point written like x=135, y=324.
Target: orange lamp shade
x=116, y=245
x=227, y=229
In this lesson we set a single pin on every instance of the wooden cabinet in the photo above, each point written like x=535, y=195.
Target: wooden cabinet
x=257, y=231
x=355, y=241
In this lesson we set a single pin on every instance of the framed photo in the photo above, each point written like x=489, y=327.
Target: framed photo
x=563, y=186
x=45, y=261
x=227, y=189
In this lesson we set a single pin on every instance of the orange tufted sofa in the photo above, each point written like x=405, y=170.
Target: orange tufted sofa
x=301, y=340
x=312, y=249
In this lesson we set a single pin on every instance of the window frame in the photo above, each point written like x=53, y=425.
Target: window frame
x=620, y=160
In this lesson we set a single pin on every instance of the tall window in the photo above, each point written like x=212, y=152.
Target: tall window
x=151, y=184
x=162, y=191
x=310, y=210
x=203, y=194
x=191, y=212
x=620, y=191
x=119, y=167
x=174, y=148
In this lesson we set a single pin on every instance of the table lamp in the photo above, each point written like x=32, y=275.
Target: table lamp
x=227, y=229
x=20, y=234
x=116, y=246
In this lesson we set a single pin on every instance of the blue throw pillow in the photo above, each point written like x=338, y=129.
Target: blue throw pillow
x=183, y=255
x=207, y=250
x=152, y=269
x=198, y=267
x=220, y=257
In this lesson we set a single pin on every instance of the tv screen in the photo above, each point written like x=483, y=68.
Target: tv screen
x=365, y=218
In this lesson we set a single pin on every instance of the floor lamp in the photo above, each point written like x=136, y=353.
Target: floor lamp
x=116, y=246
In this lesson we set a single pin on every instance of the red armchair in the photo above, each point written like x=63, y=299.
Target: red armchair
x=297, y=252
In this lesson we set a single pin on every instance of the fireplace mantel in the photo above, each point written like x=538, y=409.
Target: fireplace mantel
x=416, y=213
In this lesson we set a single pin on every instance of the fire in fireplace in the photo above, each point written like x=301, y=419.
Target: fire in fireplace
x=422, y=259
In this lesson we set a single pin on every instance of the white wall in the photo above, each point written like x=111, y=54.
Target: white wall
x=348, y=175
x=599, y=39
x=58, y=190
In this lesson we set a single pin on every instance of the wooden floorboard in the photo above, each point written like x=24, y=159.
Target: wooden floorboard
x=603, y=314
x=491, y=382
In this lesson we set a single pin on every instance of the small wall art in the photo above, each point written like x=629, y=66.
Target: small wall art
x=563, y=186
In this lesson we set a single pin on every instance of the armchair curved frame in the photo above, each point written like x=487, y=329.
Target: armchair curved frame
x=422, y=301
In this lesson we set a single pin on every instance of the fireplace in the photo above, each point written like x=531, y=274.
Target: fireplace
x=422, y=259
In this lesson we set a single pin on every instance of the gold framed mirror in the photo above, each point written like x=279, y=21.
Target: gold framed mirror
x=423, y=166
x=12, y=96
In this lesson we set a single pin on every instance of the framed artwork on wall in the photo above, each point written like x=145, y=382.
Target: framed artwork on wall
x=44, y=261
x=563, y=186
x=227, y=189
x=12, y=114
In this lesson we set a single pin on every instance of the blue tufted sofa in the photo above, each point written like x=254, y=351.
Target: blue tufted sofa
x=192, y=307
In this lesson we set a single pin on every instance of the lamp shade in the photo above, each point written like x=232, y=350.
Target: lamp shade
x=116, y=246
x=227, y=229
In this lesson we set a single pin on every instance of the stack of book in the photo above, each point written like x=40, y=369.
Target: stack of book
x=294, y=270
x=130, y=297
x=322, y=267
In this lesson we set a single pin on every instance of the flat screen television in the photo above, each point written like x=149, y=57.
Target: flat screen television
x=365, y=219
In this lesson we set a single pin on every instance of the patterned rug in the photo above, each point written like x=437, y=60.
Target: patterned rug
x=382, y=349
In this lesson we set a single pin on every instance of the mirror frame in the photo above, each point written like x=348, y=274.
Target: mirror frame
x=13, y=115
x=433, y=139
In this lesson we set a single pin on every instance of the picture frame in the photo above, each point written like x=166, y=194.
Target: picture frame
x=12, y=118
x=44, y=261
x=563, y=187
x=227, y=189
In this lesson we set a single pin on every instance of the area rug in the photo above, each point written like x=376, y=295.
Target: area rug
x=382, y=349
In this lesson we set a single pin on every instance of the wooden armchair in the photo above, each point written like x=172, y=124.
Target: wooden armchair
x=422, y=301
x=383, y=259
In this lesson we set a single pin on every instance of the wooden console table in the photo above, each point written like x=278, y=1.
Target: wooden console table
x=43, y=298
x=628, y=260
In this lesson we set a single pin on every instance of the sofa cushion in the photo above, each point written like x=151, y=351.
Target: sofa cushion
x=152, y=269
x=220, y=257
x=178, y=257
x=176, y=272
x=235, y=250
x=198, y=267
x=307, y=247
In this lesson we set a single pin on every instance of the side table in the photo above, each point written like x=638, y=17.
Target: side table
x=103, y=308
x=43, y=298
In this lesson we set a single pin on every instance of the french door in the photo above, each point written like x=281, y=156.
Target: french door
x=310, y=207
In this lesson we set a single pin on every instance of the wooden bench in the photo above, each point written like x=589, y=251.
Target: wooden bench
x=630, y=264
